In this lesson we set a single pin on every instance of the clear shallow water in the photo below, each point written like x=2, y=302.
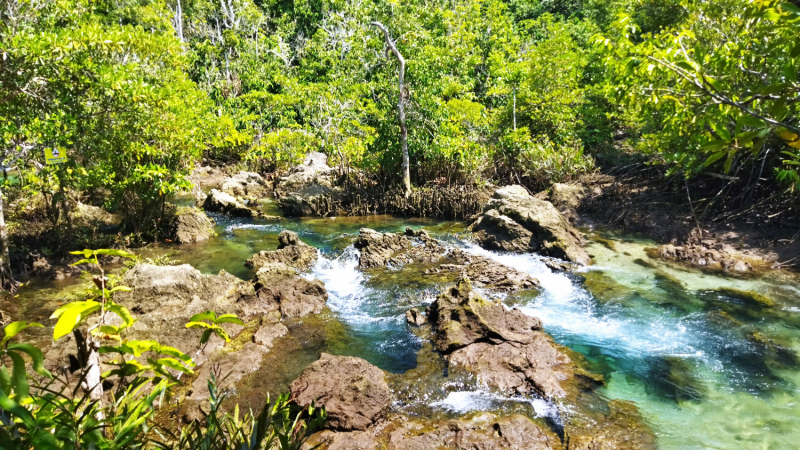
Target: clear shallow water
x=706, y=370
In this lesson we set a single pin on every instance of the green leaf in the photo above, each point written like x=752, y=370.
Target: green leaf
x=729, y=161
x=120, y=289
x=790, y=8
x=229, y=318
x=205, y=336
x=71, y=315
x=82, y=261
x=122, y=312
x=714, y=145
x=86, y=253
x=36, y=356
x=5, y=379
x=721, y=131
x=221, y=333
x=714, y=158
x=113, y=252
x=14, y=328
x=208, y=315
x=19, y=377
x=174, y=364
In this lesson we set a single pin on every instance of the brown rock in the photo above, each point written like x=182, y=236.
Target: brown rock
x=515, y=221
x=462, y=317
x=228, y=204
x=291, y=296
x=377, y=249
x=191, y=225
x=353, y=391
x=567, y=199
x=268, y=333
x=415, y=317
x=244, y=184
x=292, y=253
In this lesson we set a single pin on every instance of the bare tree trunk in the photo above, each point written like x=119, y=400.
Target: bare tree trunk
x=7, y=282
x=89, y=359
x=401, y=112
x=515, y=109
x=178, y=20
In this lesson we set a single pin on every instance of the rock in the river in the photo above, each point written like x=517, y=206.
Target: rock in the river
x=515, y=221
x=269, y=332
x=483, y=431
x=415, y=317
x=381, y=249
x=463, y=317
x=705, y=255
x=353, y=391
x=292, y=296
x=191, y=225
x=292, y=253
x=244, y=184
x=300, y=192
x=223, y=202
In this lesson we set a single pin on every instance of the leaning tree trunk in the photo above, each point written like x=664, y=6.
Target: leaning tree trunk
x=401, y=112
x=7, y=282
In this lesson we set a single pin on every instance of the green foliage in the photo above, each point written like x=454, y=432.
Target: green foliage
x=213, y=326
x=720, y=85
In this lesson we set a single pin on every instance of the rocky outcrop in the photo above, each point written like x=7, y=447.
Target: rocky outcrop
x=415, y=247
x=415, y=317
x=354, y=392
x=291, y=296
x=515, y=221
x=306, y=186
x=567, y=199
x=245, y=184
x=191, y=225
x=225, y=203
x=483, y=431
x=292, y=255
x=704, y=254
x=505, y=349
x=463, y=317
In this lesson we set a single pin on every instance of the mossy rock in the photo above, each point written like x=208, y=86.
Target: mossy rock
x=749, y=297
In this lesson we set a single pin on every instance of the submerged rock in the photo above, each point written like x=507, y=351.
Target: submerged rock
x=710, y=256
x=245, y=184
x=353, y=391
x=515, y=221
x=415, y=247
x=191, y=225
x=751, y=298
x=292, y=255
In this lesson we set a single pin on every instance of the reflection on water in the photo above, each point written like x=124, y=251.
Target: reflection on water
x=706, y=369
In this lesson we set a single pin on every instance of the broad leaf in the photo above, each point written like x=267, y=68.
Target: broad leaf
x=36, y=356
x=71, y=315
x=14, y=328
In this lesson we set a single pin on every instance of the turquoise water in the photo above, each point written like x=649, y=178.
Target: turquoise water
x=706, y=370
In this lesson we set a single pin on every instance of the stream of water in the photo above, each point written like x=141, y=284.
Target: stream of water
x=706, y=370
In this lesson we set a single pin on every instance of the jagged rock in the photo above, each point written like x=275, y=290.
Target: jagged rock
x=88, y=216
x=235, y=366
x=567, y=199
x=192, y=225
x=223, y=202
x=621, y=428
x=291, y=296
x=292, y=254
x=380, y=249
x=244, y=184
x=484, y=431
x=303, y=189
x=703, y=255
x=314, y=170
x=517, y=222
x=307, y=201
x=269, y=332
x=415, y=317
x=462, y=317
x=353, y=391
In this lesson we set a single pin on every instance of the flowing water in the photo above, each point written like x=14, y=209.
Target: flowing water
x=707, y=369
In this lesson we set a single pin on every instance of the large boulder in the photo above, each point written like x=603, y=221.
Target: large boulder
x=226, y=203
x=463, y=317
x=505, y=349
x=292, y=296
x=515, y=221
x=245, y=184
x=310, y=200
x=191, y=225
x=353, y=391
x=304, y=191
x=567, y=199
x=314, y=170
x=292, y=255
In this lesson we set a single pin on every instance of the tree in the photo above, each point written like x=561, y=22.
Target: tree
x=402, y=96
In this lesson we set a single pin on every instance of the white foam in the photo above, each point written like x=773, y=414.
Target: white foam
x=465, y=401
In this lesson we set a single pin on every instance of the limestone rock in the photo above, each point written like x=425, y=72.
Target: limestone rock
x=704, y=255
x=291, y=296
x=292, y=253
x=378, y=248
x=244, y=184
x=223, y=202
x=567, y=199
x=462, y=317
x=353, y=391
x=314, y=170
x=415, y=317
x=192, y=225
x=269, y=332
x=515, y=221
